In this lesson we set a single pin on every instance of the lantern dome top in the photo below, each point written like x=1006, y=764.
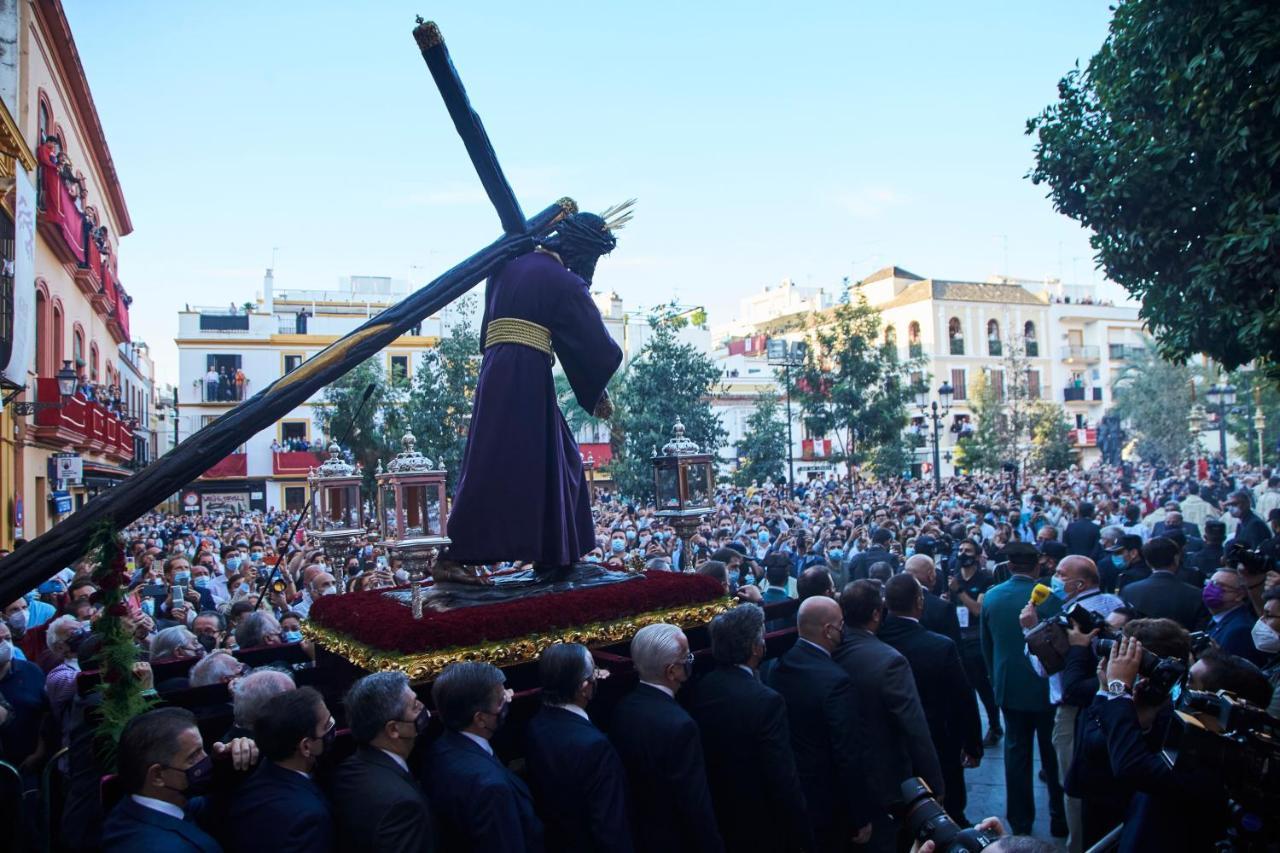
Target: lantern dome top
x=335, y=465
x=409, y=460
x=679, y=445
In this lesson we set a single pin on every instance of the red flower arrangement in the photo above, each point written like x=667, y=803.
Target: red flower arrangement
x=384, y=623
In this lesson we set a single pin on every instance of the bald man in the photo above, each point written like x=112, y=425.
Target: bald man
x=939, y=616
x=822, y=712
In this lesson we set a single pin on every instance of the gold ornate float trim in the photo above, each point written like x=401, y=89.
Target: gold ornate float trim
x=424, y=666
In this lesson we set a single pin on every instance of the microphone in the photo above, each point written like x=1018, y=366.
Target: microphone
x=1040, y=594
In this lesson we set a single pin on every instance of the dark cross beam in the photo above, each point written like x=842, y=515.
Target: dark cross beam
x=66, y=542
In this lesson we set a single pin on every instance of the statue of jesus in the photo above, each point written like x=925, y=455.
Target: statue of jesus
x=521, y=494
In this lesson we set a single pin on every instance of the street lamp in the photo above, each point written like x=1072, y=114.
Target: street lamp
x=1222, y=397
x=931, y=410
x=66, y=390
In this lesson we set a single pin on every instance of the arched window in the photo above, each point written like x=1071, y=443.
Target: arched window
x=956, y=336
x=77, y=348
x=93, y=362
x=993, y=338
x=43, y=355
x=914, y=349
x=44, y=120
x=1029, y=338
x=57, y=341
x=890, y=336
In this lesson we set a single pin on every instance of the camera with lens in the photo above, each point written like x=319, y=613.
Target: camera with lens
x=278, y=586
x=1160, y=673
x=1049, y=643
x=1223, y=736
x=1251, y=562
x=930, y=822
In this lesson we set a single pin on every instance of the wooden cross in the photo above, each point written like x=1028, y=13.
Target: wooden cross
x=65, y=542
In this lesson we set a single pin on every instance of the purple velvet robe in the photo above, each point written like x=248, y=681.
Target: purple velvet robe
x=521, y=494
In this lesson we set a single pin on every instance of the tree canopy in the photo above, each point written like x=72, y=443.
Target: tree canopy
x=1167, y=147
x=1155, y=396
x=762, y=453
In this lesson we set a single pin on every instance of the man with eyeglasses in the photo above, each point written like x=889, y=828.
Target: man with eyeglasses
x=483, y=806
x=280, y=808
x=661, y=749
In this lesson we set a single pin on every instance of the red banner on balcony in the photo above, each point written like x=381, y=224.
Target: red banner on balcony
x=59, y=208
x=296, y=462
x=235, y=465
x=815, y=448
x=600, y=452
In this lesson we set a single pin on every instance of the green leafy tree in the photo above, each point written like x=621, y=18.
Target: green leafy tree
x=666, y=382
x=1166, y=147
x=853, y=387
x=369, y=429
x=438, y=407
x=1051, y=448
x=1254, y=391
x=762, y=453
x=983, y=449
x=1155, y=397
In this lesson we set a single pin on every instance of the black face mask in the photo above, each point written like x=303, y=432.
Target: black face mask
x=208, y=642
x=967, y=560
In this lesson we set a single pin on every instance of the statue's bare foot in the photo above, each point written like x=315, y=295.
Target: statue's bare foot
x=450, y=571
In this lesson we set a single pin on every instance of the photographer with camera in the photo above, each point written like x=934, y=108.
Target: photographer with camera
x=1119, y=772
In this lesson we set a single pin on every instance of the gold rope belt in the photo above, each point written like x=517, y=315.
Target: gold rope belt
x=510, y=330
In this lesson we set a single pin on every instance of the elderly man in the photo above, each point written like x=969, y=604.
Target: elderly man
x=577, y=778
x=258, y=629
x=1231, y=619
x=1075, y=581
x=822, y=710
x=321, y=583
x=661, y=749
x=747, y=740
x=1174, y=522
x=1110, y=563
x=250, y=695
x=377, y=804
x=938, y=616
x=483, y=806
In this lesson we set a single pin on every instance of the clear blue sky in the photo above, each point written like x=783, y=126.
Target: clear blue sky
x=764, y=140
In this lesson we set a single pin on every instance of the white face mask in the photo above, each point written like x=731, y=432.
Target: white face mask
x=6, y=652
x=1265, y=639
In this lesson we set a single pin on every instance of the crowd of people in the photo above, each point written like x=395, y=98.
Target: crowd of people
x=915, y=607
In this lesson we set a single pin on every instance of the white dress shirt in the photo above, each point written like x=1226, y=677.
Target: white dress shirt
x=574, y=709
x=404, y=765
x=160, y=806
x=664, y=688
x=478, y=741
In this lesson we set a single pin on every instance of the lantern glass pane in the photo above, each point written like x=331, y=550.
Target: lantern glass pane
x=415, y=499
x=696, y=477
x=668, y=480
x=390, y=530
x=433, y=492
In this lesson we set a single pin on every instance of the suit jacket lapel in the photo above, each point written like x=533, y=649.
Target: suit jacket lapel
x=186, y=828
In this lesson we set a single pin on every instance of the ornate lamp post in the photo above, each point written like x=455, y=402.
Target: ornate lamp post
x=936, y=414
x=589, y=464
x=413, y=513
x=1195, y=420
x=337, y=510
x=684, y=483
x=1222, y=397
x=66, y=390
x=1259, y=421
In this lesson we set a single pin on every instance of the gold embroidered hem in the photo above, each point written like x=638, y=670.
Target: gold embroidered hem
x=425, y=666
x=511, y=330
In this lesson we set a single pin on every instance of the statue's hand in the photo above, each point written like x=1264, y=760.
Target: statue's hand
x=604, y=409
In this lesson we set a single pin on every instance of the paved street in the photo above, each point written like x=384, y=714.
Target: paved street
x=986, y=790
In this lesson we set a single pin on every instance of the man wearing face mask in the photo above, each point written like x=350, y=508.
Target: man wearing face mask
x=165, y=769
x=377, y=803
x=1231, y=619
x=280, y=809
x=662, y=751
x=483, y=805
x=577, y=778
x=1266, y=639
x=321, y=584
x=1251, y=531
x=22, y=687
x=968, y=583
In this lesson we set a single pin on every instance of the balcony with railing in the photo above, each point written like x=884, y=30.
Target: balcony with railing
x=1123, y=352
x=915, y=350
x=1081, y=354
x=1084, y=437
x=82, y=424
x=218, y=391
x=957, y=346
x=1080, y=394
x=233, y=465
x=295, y=463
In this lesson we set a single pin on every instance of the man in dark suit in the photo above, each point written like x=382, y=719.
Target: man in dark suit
x=1173, y=522
x=1135, y=567
x=377, y=804
x=822, y=710
x=280, y=809
x=950, y=707
x=1231, y=619
x=1023, y=695
x=1208, y=559
x=1082, y=535
x=483, y=806
x=579, y=786
x=939, y=616
x=877, y=553
x=893, y=733
x=661, y=749
x=746, y=741
x=1162, y=595
x=164, y=768
x=1251, y=531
